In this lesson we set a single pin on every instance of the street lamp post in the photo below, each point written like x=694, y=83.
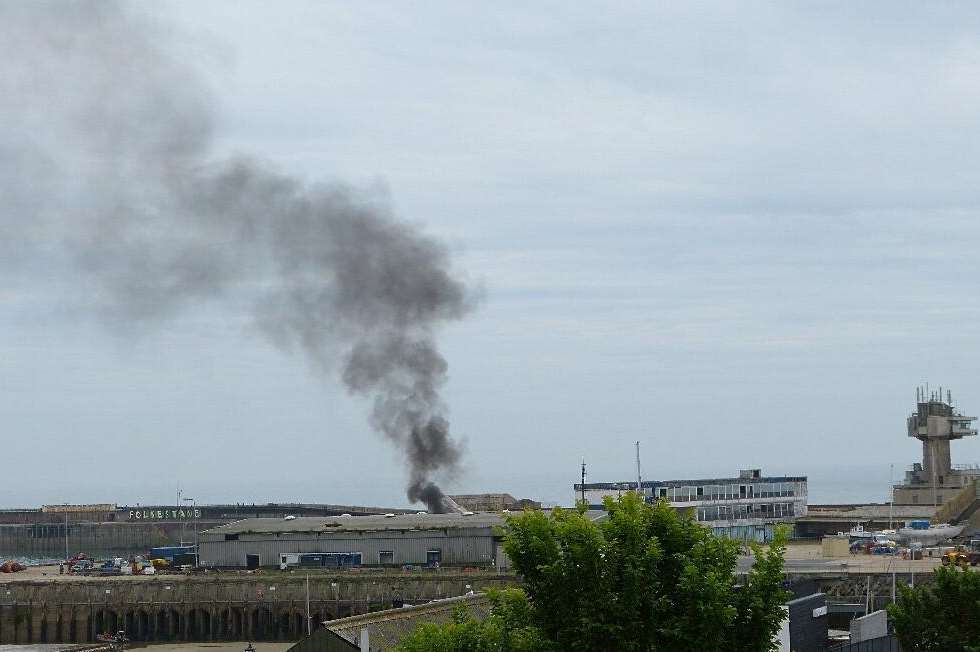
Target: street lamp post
x=193, y=502
x=66, y=533
x=181, y=520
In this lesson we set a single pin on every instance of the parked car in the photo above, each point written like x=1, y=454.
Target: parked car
x=82, y=567
x=108, y=569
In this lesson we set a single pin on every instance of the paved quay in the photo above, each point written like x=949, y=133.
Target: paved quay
x=807, y=559
x=800, y=558
x=50, y=573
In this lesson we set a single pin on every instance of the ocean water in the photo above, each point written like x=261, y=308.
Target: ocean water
x=851, y=484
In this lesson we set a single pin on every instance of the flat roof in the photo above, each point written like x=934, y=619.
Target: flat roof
x=866, y=512
x=375, y=523
x=360, y=523
x=499, y=495
x=653, y=484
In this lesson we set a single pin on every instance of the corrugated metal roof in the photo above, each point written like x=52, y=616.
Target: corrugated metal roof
x=360, y=523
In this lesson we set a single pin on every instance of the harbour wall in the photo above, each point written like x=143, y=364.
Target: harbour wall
x=232, y=607
x=271, y=606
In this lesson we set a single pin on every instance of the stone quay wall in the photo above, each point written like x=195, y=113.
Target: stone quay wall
x=263, y=607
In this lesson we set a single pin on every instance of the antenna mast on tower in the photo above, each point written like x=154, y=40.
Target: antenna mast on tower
x=639, y=478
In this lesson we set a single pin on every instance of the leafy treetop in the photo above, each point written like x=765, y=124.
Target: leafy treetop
x=939, y=616
x=646, y=579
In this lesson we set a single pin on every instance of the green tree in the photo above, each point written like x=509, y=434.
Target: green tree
x=939, y=616
x=507, y=629
x=644, y=580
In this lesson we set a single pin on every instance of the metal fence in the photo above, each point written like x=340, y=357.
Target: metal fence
x=882, y=644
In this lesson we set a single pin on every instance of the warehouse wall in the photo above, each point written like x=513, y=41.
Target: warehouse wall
x=466, y=547
x=47, y=541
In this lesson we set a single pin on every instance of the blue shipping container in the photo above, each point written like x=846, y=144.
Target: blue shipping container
x=169, y=552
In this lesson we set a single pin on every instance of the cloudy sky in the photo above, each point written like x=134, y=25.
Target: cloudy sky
x=740, y=233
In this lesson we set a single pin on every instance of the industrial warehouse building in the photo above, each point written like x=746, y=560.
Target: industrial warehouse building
x=344, y=541
x=746, y=508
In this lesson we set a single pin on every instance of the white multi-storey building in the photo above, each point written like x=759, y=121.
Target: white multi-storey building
x=746, y=508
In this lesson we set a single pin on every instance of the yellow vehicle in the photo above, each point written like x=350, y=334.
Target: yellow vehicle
x=160, y=563
x=963, y=556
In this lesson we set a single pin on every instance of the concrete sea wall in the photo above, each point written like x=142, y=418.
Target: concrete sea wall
x=261, y=607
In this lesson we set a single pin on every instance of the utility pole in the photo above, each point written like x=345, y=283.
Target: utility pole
x=309, y=618
x=639, y=478
x=867, y=598
x=67, y=556
x=197, y=554
x=891, y=500
x=583, y=479
x=893, y=584
x=181, y=520
x=193, y=502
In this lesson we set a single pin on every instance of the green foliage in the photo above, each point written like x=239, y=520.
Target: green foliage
x=644, y=580
x=759, y=604
x=506, y=630
x=940, y=616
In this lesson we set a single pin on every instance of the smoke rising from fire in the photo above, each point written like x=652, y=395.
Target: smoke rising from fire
x=107, y=168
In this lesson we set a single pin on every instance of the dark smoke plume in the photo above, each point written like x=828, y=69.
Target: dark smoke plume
x=106, y=166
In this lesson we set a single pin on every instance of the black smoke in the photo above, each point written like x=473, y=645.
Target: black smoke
x=108, y=170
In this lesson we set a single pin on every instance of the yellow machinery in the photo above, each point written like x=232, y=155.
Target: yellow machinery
x=963, y=556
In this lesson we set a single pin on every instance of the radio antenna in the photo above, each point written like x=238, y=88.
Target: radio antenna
x=639, y=478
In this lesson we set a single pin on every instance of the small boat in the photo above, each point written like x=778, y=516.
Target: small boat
x=858, y=533
x=932, y=535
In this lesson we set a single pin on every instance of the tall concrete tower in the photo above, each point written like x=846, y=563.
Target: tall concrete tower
x=935, y=423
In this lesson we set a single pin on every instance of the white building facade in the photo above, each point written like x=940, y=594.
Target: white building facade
x=747, y=508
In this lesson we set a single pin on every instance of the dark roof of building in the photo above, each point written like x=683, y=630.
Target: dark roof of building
x=353, y=524
x=403, y=522
x=853, y=513
x=507, y=497
x=276, y=508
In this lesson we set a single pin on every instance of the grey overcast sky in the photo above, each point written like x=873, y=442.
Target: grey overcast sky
x=740, y=233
